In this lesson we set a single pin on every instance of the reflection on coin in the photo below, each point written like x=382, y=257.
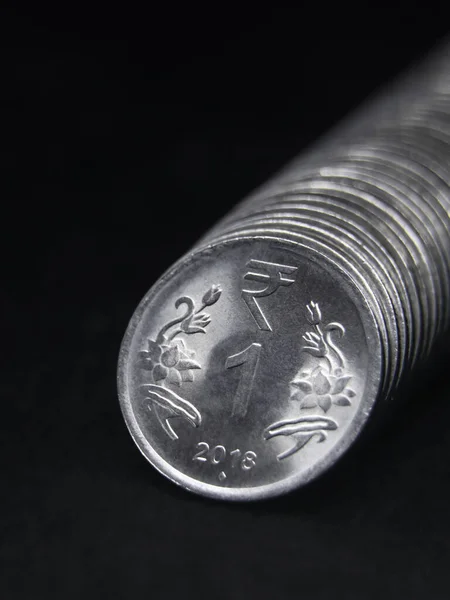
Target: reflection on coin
x=249, y=368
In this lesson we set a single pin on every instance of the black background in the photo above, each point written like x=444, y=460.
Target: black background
x=125, y=134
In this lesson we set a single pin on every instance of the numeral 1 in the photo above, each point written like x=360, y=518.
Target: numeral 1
x=248, y=359
x=235, y=456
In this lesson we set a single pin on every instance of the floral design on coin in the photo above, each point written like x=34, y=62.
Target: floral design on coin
x=170, y=362
x=324, y=385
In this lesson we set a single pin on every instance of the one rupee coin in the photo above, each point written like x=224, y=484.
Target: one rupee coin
x=249, y=368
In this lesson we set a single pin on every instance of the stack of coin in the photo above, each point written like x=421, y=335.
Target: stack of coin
x=256, y=360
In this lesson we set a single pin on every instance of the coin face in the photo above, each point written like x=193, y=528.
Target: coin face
x=249, y=368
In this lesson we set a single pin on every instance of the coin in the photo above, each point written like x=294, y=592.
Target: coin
x=250, y=367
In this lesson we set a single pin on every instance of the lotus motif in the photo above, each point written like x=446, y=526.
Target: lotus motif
x=322, y=388
x=171, y=362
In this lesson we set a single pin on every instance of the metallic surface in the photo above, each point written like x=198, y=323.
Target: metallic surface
x=256, y=360
x=213, y=447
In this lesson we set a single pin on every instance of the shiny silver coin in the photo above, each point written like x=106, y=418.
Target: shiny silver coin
x=249, y=368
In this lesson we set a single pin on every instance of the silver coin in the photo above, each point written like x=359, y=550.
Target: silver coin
x=249, y=368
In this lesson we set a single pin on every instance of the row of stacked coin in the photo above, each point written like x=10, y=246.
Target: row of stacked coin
x=378, y=204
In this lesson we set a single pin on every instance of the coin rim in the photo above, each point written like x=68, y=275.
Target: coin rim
x=371, y=389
